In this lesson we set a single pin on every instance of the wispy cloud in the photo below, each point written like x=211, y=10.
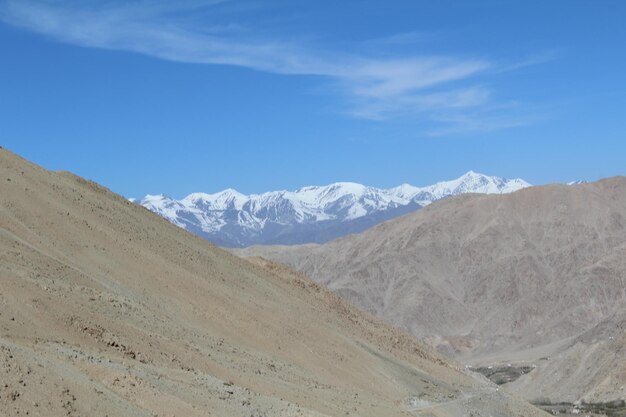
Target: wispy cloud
x=376, y=88
x=400, y=39
x=481, y=119
x=449, y=101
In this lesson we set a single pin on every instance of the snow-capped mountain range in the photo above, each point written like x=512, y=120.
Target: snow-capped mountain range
x=309, y=214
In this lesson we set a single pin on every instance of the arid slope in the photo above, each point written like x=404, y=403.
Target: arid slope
x=107, y=309
x=540, y=273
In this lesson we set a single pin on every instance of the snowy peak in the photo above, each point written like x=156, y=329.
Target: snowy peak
x=227, y=199
x=473, y=182
x=309, y=214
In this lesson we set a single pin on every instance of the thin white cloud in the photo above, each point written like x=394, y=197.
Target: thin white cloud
x=377, y=88
x=484, y=121
x=457, y=100
x=400, y=39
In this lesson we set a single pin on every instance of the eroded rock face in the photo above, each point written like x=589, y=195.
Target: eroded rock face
x=492, y=280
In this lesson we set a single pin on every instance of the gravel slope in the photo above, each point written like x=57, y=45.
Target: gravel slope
x=107, y=309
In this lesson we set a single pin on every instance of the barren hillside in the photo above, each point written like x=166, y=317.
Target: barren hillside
x=107, y=309
x=537, y=278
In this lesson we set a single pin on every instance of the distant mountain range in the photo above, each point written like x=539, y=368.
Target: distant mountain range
x=314, y=214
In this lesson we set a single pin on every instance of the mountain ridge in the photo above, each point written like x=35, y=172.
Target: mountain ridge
x=311, y=214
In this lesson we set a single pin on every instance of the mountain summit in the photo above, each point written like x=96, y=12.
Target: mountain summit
x=309, y=214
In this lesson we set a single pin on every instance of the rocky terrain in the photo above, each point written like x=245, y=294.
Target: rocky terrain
x=309, y=214
x=107, y=309
x=536, y=278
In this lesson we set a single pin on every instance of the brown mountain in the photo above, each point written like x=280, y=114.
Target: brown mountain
x=107, y=309
x=536, y=278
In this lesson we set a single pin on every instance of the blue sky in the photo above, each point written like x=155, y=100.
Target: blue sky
x=175, y=97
